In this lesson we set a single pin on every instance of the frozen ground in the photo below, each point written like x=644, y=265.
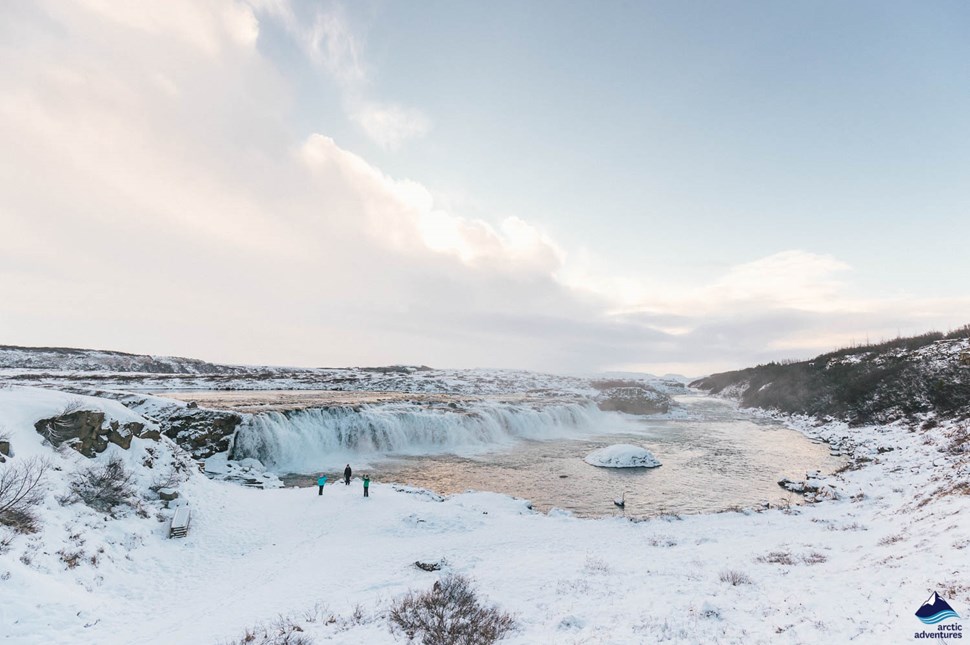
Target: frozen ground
x=853, y=569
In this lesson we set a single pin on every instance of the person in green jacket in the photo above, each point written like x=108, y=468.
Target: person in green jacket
x=321, y=482
x=366, y=485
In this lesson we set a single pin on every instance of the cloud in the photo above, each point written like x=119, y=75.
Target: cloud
x=209, y=29
x=391, y=125
x=794, y=278
x=334, y=47
x=159, y=202
x=403, y=216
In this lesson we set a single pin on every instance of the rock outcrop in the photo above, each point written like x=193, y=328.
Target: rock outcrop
x=201, y=431
x=168, y=494
x=638, y=399
x=814, y=487
x=89, y=433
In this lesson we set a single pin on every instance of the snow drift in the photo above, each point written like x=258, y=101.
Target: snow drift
x=622, y=456
x=305, y=440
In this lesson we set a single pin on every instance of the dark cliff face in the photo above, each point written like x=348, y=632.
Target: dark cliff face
x=901, y=379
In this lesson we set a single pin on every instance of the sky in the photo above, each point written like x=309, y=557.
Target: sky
x=679, y=187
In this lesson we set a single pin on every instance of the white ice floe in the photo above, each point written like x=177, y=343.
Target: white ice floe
x=622, y=456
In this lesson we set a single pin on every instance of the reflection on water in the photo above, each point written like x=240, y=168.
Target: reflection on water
x=714, y=459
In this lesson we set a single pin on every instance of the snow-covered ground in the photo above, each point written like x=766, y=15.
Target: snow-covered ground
x=479, y=382
x=853, y=569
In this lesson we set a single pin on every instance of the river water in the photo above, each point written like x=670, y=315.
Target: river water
x=714, y=458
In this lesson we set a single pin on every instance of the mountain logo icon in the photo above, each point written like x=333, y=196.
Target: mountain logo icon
x=935, y=610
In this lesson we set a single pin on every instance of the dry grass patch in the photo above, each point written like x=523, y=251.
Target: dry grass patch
x=284, y=631
x=851, y=526
x=815, y=558
x=597, y=566
x=778, y=557
x=71, y=558
x=786, y=558
x=661, y=541
x=735, y=578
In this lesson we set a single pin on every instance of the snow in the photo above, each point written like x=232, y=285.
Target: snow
x=622, y=456
x=250, y=472
x=856, y=568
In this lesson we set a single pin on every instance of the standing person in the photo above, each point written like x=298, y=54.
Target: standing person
x=366, y=485
x=347, y=473
x=321, y=482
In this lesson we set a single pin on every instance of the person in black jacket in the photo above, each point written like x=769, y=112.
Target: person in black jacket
x=347, y=473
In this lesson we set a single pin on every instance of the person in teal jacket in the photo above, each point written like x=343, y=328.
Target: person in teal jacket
x=321, y=482
x=366, y=485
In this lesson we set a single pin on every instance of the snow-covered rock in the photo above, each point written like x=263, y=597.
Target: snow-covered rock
x=167, y=494
x=633, y=399
x=622, y=456
x=248, y=472
x=90, y=431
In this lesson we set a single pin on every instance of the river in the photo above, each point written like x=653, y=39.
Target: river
x=715, y=458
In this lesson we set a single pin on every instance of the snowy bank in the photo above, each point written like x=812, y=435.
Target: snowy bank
x=622, y=455
x=854, y=569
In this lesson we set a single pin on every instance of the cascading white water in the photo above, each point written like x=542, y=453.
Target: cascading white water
x=304, y=440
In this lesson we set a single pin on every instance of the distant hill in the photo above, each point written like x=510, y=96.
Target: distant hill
x=902, y=378
x=86, y=360
x=100, y=371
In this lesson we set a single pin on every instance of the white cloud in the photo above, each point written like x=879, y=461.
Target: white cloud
x=333, y=45
x=391, y=125
x=209, y=28
x=402, y=215
x=794, y=278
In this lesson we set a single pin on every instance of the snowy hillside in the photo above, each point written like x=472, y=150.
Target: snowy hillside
x=852, y=569
x=907, y=378
x=96, y=368
x=87, y=360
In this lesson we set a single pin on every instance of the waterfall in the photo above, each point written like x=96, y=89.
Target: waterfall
x=303, y=440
